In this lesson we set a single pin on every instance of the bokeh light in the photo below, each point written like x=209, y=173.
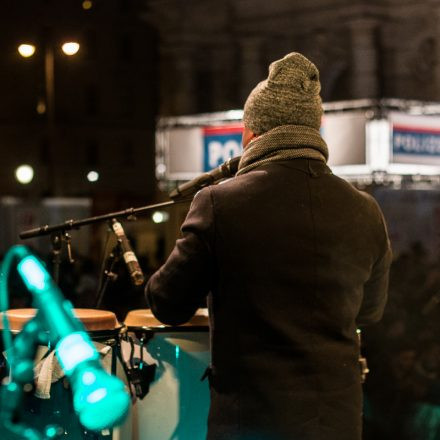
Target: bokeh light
x=70, y=48
x=24, y=174
x=160, y=216
x=92, y=176
x=87, y=4
x=26, y=50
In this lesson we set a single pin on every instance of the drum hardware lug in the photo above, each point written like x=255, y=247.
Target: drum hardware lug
x=140, y=377
x=147, y=335
x=139, y=373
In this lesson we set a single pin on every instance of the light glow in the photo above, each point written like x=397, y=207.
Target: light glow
x=96, y=395
x=26, y=50
x=41, y=107
x=70, y=48
x=33, y=273
x=52, y=432
x=161, y=169
x=92, y=176
x=24, y=174
x=87, y=4
x=160, y=216
x=74, y=349
x=88, y=378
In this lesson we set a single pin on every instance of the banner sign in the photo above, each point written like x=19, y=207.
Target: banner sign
x=397, y=143
x=220, y=144
x=415, y=139
x=344, y=134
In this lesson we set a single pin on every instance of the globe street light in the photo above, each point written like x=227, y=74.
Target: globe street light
x=26, y=50
x=92, y=176
x=24, y=174
x=70, y=48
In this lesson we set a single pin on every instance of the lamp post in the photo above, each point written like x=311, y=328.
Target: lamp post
x=27, y=50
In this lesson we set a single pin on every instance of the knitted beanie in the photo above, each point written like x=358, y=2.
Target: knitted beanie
x=289, y=96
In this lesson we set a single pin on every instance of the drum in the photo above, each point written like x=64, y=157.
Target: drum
x=177, y=402
x=52, y=402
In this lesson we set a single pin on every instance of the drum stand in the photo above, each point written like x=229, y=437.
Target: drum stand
x=22, y=354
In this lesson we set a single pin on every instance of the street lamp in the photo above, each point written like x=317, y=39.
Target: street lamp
x=24, y=174
x=70, y=48
x=27, y=50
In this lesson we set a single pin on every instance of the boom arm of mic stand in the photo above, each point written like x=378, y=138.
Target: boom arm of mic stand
x=76, y=224
x=182, y=194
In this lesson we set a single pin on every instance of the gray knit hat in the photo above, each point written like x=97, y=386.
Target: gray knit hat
x=289, y=96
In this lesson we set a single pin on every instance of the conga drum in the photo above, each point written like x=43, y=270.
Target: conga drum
x=52, y=403
x=177, y=403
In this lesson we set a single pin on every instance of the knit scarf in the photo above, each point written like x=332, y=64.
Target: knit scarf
x=281, y=143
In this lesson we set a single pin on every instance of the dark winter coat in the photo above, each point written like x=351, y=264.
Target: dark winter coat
x=294, y=259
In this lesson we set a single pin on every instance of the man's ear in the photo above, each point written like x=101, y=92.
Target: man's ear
x=248, y=135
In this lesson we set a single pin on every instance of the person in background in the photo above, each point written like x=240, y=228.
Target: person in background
x=291, y=259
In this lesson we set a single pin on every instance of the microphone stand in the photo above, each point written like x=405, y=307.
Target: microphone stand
x=109, y=275
x=129, y=214
x=182, y=194
x=57, y=239
x=59, y=234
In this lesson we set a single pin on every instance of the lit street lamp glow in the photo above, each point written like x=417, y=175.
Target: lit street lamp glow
x=41, y=107
x=87, y=4
x=92, y=176
x=160, y=216
x=70, y=48
x=24, y=174
x=26, y=50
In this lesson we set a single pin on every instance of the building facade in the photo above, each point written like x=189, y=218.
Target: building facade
x=213, y=53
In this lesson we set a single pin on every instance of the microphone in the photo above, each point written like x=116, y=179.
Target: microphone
x=135, y=271
x=228, y=169
x=99, y=399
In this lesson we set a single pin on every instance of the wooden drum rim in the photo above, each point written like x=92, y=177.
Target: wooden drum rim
x=144, y=318
x=92, y=319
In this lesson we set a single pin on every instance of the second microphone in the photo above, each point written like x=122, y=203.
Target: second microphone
x=129, y=256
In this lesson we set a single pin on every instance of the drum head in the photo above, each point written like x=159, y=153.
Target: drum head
x=93, y=320
x=145, y=318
